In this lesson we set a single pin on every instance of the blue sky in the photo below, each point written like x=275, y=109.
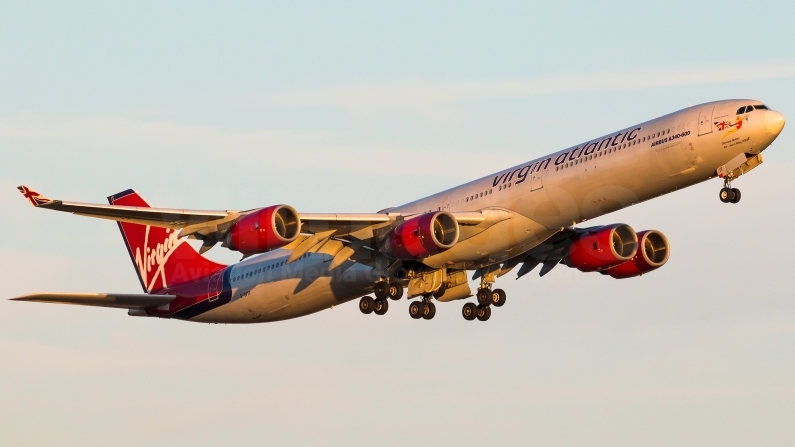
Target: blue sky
x=354, y=107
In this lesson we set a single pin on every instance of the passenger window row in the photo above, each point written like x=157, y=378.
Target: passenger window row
x=478, y=195
x=263, y=269
x=470, y=198
x=613, y=150
x=657, y=135
x=596, y=155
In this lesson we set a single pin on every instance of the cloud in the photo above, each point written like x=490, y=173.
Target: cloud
x=125, y=132
x=361, y=97
x=321, y=152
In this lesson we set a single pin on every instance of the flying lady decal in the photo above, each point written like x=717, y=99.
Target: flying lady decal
x=732, y=126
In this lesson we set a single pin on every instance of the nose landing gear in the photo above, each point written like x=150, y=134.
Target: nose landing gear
x=729, y=194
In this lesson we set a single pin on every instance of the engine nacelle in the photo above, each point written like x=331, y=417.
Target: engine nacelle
x=423, y=236
x=603, y=248
x=264, y=230
x=653, y=253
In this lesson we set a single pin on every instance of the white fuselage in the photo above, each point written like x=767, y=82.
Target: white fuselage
x=543, y=196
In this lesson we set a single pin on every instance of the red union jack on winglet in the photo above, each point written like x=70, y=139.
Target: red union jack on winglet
x=33, y=197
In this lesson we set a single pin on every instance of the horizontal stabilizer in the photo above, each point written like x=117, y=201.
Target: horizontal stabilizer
x=117, y=300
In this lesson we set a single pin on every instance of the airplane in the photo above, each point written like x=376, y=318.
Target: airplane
x=530, y=215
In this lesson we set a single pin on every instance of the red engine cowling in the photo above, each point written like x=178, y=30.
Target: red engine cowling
x=264, y=230
x=423, y=236
x=603, y=248
x=653, y=253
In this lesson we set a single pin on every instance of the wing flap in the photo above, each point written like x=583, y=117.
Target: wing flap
x=115, y=300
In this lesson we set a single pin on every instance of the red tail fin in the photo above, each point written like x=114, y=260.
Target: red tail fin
x=160, y=258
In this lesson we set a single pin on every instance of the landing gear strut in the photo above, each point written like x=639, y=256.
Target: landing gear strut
x=729, y=194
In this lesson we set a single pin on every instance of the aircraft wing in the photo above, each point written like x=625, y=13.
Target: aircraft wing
x=208, y=223
x=117, y=300
x=219, y=220
x=212, y=226
x=158, y=217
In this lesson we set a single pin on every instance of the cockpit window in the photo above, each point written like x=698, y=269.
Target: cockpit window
x=760, y=107
x=741, y=110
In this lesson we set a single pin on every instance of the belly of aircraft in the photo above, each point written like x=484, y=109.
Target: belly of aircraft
x=293, y=297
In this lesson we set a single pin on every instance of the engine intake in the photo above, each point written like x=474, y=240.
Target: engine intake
x=603, y=248
x=264, y=230
x=653, y=253
x=422, y=236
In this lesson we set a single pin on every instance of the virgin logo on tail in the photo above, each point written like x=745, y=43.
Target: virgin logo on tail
x=162, y=260
x=151, y=264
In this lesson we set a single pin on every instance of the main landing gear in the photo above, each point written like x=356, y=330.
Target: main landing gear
x=369, y=305
x=486, y=298
x=470, y=311
x=729, y=194
x=423, y=308
x=382, y=290
x=391, y=290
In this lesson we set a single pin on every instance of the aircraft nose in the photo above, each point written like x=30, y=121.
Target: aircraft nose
x=774, y=122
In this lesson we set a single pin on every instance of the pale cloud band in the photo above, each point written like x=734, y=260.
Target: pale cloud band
x=409, y=94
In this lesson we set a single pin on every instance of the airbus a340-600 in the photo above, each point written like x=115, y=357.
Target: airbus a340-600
x=523, y=217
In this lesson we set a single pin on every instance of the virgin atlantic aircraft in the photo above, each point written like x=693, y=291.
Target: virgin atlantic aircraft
x=526, y=216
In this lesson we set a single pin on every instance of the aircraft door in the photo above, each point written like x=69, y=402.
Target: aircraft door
x=214, y=285
x=705, y=121
x=537, y=180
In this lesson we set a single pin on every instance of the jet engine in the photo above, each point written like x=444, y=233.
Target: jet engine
x=653, y=253
x=603, y=248
x=264, y=230
x=422, y=236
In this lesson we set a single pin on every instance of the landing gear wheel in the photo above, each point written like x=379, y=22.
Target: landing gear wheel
x=484, y=313
x=429, y=311
x=366, y=305
x=726, y=195
x=440, y=291
x=498, y=297
x=381, y=290
x=395, y=291
x=736, y=195
x=484, y=297
x=470, y=311
x=381, y=306
x=416, y=309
